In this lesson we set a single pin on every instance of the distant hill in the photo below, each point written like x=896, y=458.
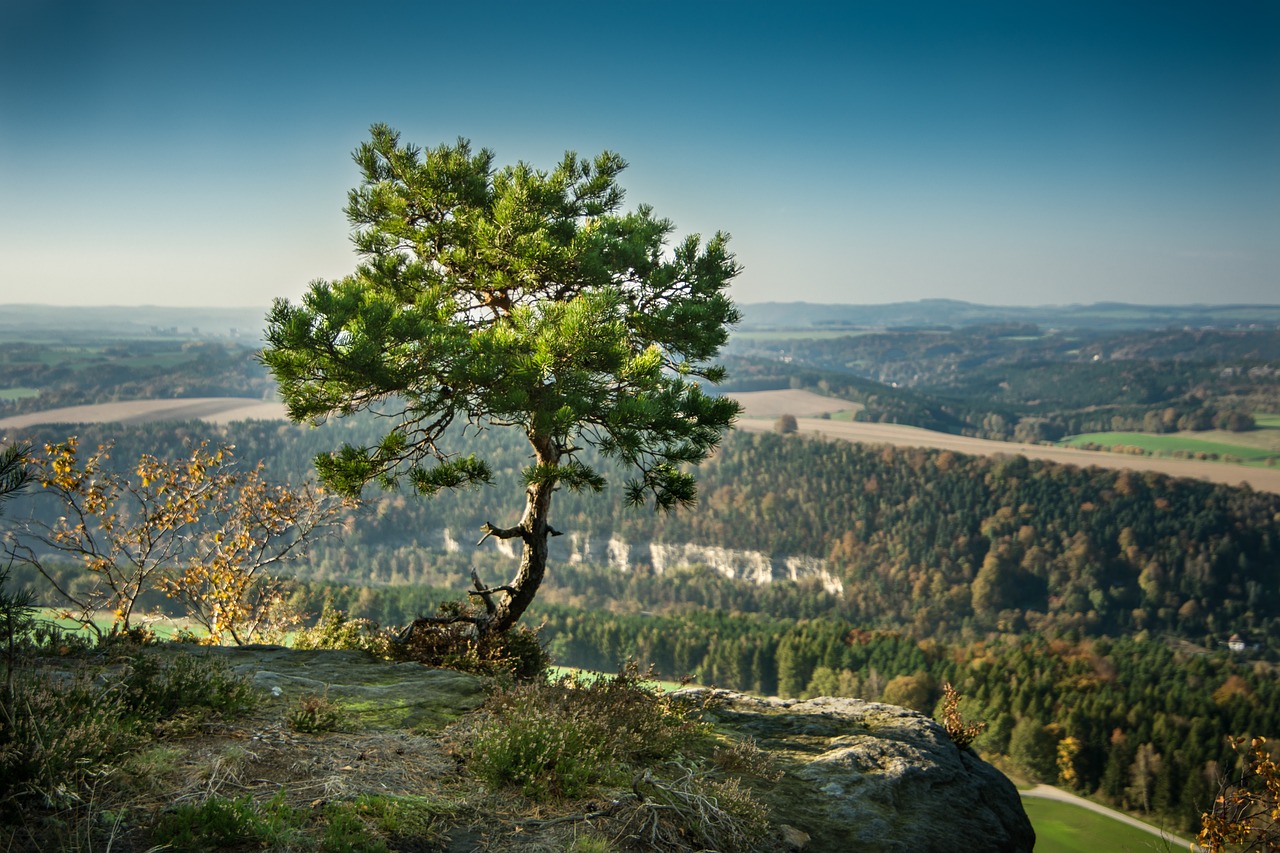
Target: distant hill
x=951, y=313
x=38, y=322
x=116, y=322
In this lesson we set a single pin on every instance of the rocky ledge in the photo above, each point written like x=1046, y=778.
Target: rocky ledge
x=867, y=776
x=858, y=775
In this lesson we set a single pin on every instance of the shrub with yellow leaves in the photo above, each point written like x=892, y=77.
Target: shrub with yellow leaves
x=198, y=529
x=1246, y=814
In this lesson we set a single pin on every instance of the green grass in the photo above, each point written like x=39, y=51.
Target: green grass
x=164, y=627
x=1065, y=828
x=591, y=675
x=1175, y=445
x=18, y=393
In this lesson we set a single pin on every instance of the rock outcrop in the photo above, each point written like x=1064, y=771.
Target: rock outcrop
x=857, y=775
x=867, y=776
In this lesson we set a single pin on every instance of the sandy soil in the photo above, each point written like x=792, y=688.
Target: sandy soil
x=1262, y=479
x=218, y=410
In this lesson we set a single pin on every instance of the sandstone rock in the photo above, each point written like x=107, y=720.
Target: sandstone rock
x=373, y=693
x=858, y=775
x=866, y=776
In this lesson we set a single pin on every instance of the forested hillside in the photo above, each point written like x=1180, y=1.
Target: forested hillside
x=932, y=542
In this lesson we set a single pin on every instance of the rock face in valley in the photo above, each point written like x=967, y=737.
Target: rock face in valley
x=858, y=775
x=751, y=566
x=867, y=776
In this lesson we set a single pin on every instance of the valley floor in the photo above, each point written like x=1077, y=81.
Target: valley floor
x=1051, y=793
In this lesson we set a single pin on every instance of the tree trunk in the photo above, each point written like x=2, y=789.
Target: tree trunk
x=533, y=557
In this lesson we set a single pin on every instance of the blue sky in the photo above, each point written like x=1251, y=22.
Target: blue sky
x=198, y=153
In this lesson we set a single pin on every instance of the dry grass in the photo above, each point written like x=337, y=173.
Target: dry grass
x=802, y=404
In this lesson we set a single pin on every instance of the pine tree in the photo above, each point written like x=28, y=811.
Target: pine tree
x=511, y=298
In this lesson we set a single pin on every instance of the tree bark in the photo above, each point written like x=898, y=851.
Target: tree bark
x=534, y=531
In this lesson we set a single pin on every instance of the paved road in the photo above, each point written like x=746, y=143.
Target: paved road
x=1049, y=792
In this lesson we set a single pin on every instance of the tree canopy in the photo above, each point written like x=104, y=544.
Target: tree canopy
x=519, y=298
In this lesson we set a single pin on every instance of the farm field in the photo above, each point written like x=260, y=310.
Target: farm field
x=165, y=627
x=219, y=410
x=1186, y=444
x=802, y=404
x=1263, y=479
x=761, y=409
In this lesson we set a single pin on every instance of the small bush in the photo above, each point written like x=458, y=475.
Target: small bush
x=745, y=758
x=557, y=739
x=517, y=653
x=336, y=630
x=962, y=731
x=163, y=689
x=687, y=810
x=1246, y=813
x=56, y=732
x=314, y=714
x=219, y=823
x=52, y=639
x=543, y=751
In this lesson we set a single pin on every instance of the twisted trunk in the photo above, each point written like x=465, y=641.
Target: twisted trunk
x=533, y=531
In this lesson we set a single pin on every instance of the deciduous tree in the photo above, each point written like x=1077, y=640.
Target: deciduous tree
x=1245, y=815
x=197, y=529
x=515, y=298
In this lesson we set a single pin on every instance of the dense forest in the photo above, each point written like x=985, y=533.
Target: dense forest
x=931, y=542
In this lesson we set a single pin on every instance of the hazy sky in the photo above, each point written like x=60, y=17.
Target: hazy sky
x=182, y=152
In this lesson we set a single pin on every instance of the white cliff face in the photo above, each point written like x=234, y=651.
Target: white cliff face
x=799, y=568
x=619, y=554
x=751, y=566
x=451, y=545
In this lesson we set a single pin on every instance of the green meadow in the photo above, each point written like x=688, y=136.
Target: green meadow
x=1066, y=828
x=164, y=627
x=18, y=393
x=1182, y=445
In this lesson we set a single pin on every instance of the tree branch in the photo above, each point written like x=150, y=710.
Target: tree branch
x=487, y=593
x=500, y=532
x=431, y=622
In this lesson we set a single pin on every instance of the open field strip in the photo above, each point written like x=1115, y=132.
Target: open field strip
x=165, y=627
x=1065, y=823
x=18, y=393
x=1171, y=443
x=218, y=410
x=1262, y=479
x=802, y=404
